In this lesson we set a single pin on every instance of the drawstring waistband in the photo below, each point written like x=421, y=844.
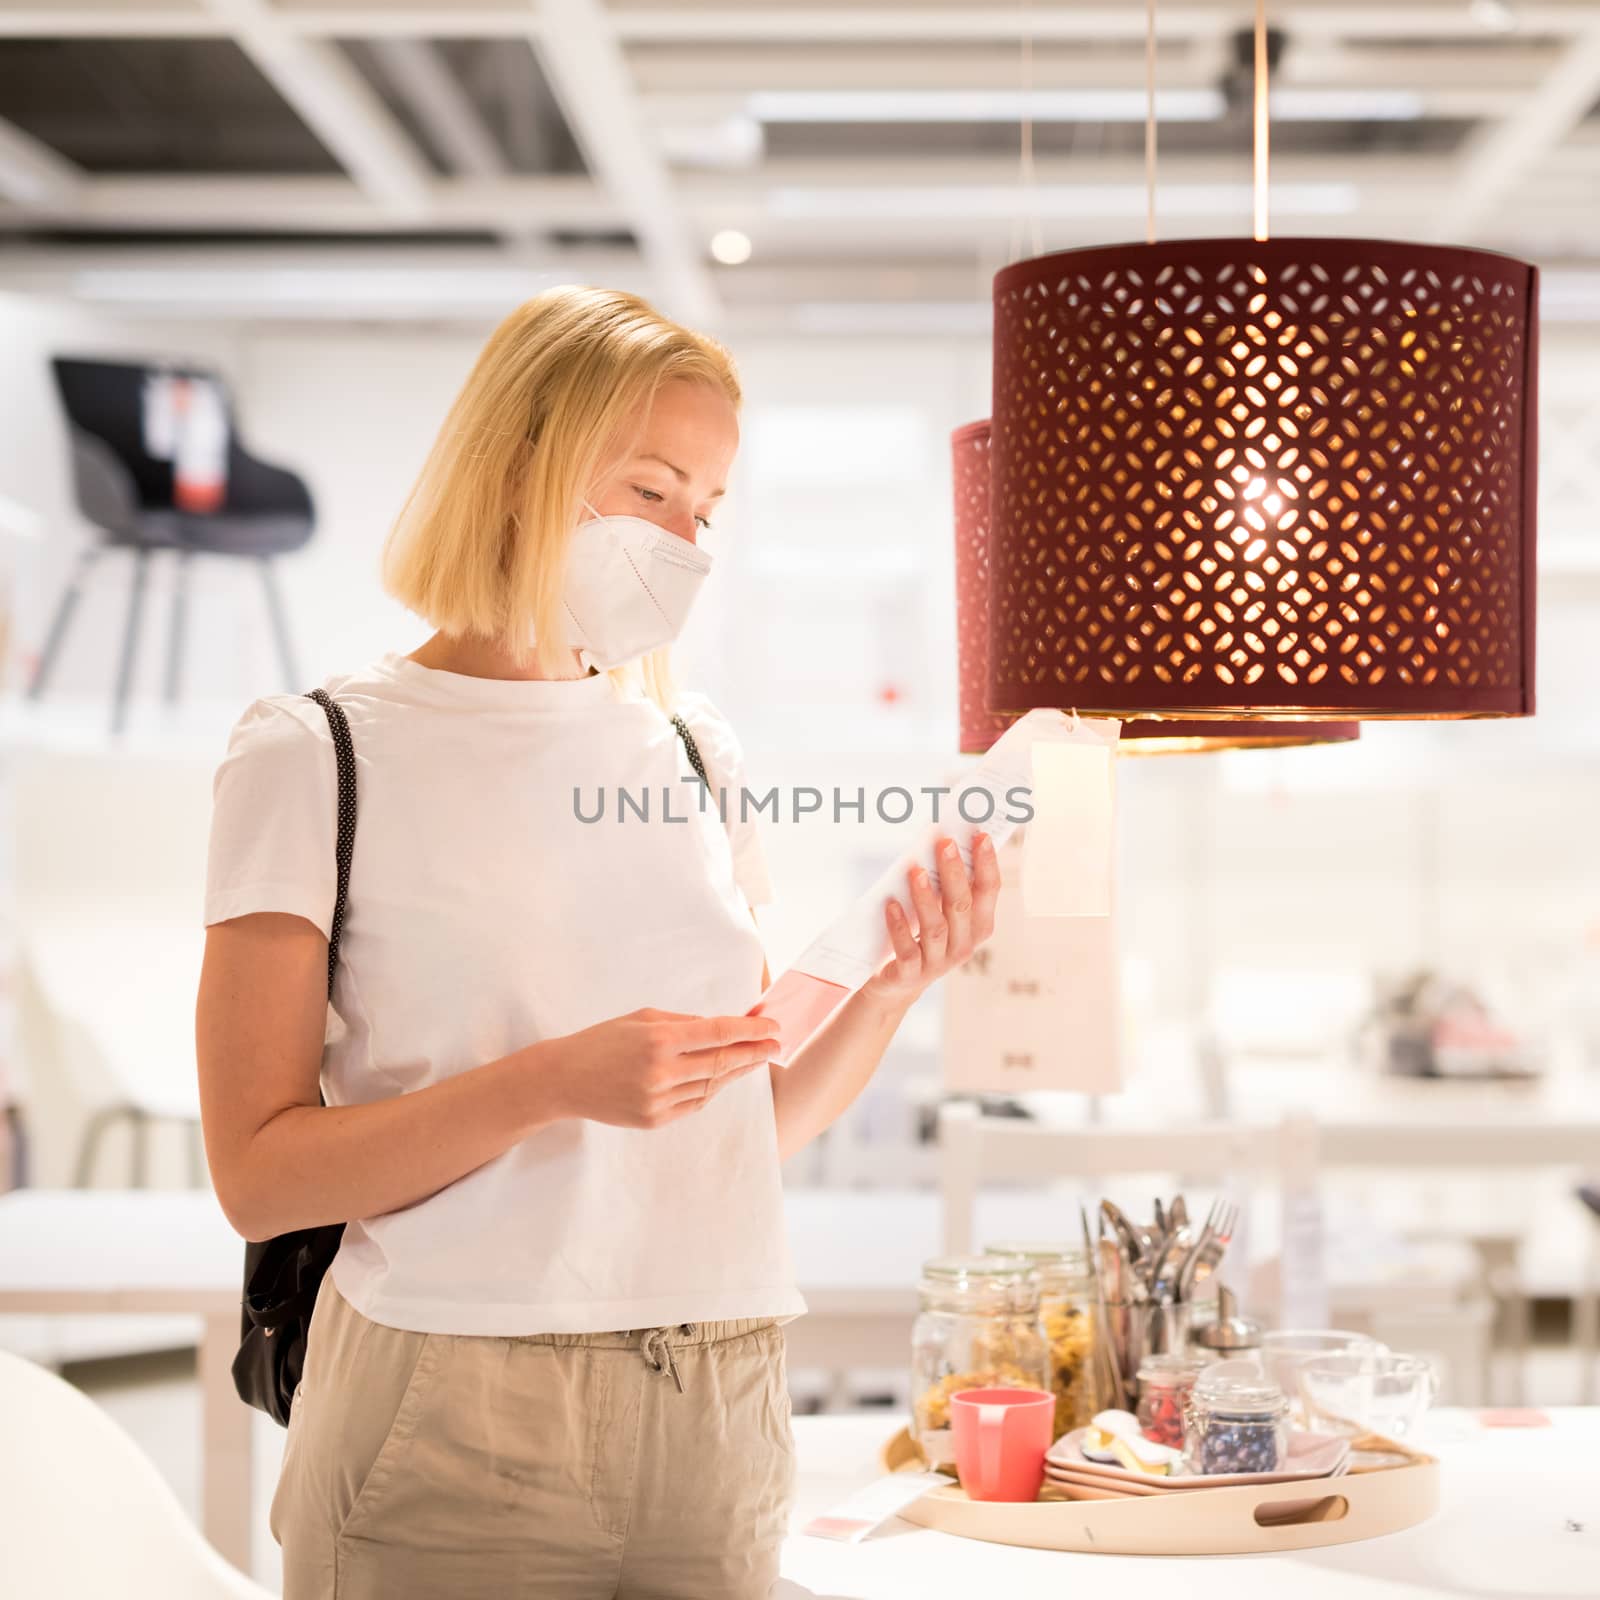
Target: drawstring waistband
x=656, y=1347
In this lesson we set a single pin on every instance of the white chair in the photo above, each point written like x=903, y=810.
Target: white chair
x=110, y=867
x=1449, y=1151
x=83, y=1510
x=973, y=1147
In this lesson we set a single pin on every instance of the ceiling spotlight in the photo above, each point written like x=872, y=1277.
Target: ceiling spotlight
x=731, y=247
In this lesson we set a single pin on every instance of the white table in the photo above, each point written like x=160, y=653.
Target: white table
x=147, y=1250
x=1520, y=1518
x=856, y=1257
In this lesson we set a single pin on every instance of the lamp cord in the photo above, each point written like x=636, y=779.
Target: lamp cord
x=1150, y=121
x=1261, y=120
x=1029, y=189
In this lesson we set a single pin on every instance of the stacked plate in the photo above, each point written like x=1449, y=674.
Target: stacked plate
x=1070, y=1472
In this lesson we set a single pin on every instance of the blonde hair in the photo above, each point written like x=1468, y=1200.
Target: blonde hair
x=480, y=545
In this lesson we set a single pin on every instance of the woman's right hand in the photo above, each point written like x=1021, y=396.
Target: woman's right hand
x=650, y=1067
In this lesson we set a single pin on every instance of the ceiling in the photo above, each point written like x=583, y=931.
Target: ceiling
x=383, y=158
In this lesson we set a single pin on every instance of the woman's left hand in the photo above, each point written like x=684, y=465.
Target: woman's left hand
x=950, y=924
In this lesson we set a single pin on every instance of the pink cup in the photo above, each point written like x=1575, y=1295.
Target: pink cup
x=1001, y=1436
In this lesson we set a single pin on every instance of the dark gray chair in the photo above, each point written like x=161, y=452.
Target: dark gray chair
x=128, y=495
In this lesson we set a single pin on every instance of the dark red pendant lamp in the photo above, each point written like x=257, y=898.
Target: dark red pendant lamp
x=1286, y=479
x=1289, y=478
x=969, y=447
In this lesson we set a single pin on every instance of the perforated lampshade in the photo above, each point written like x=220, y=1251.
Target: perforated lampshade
x=969, y=449
x=1286, y=479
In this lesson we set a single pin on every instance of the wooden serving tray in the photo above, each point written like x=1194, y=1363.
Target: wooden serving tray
x=1202, y=1522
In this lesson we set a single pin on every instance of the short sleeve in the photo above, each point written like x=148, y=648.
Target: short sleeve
x=724, y=760
x=274, y=816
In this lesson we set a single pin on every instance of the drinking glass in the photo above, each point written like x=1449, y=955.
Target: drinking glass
x=1286, y=1350
x=1364, y=1391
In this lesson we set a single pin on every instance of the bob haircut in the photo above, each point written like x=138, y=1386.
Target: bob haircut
x=480, y=545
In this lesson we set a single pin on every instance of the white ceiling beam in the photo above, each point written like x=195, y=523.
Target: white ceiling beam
x=316, y=78
x=285, y=282
x=316, y=204
x=589, y=75
x=33, y=175
x=675, y=20
x=1511, y=66
x=743, y=68
x=672, y=21
x=999, y=170
x=26, y=261
x=319, y=204
x=1501, y=155
x=419, y=76
x=70, y=20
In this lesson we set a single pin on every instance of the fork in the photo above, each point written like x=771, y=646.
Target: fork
x=1207, y=1256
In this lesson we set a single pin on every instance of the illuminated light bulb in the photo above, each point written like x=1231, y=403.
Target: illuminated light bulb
x=731, y=247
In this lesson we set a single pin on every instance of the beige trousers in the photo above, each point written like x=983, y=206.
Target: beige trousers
x=429, y=1466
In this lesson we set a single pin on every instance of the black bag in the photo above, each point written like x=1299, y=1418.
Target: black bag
x=282, y=1275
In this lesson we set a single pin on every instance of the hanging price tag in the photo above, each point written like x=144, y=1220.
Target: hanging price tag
x=1038, y=1006
x=1068, y=861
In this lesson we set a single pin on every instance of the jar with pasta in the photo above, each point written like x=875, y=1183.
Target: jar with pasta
x=978, y=1328
x=1066, y=1313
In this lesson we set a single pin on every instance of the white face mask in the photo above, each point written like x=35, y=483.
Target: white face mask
x=630, y=585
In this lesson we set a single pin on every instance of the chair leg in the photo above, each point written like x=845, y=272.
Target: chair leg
x=139, y=1148
x=280, y=626
x=58, y=624
x=89, y=1148
x=130, y=640
x=180, y=600
x=1586, y=1320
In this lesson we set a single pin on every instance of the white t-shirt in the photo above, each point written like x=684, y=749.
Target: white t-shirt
x=484, y=915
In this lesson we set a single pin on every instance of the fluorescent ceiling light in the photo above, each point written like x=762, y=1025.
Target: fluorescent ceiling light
x=1003, y=201
x=1345, y=105
x=1294, y=104
x=731, y=247
x=980, y=105
x=727, y=143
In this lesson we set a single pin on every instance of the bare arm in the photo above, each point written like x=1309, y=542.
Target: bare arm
x=280, y=1160
x=819, y=1085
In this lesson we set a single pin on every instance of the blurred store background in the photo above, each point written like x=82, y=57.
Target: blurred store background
x=303, y=218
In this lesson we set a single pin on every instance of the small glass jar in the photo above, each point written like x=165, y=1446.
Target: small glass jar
x=1165, y=1385
x=1237, y=1421
x=978, y=1328
x=1066, y=1312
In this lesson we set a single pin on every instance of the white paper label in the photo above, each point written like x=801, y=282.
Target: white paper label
x=852, y=1520
x=1067, y=866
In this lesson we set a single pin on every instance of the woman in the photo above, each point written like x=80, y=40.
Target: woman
x=547, y=1359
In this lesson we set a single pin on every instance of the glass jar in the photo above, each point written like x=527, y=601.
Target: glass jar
x=1165, y=1385
x=1066, y=1312
x=1237, y=1421
x=978, y=1328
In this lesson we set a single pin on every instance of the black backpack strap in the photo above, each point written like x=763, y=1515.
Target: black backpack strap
x=344, y=845
x=691, y=747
